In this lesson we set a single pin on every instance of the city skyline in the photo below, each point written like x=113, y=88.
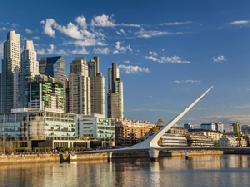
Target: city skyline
x=190, y=48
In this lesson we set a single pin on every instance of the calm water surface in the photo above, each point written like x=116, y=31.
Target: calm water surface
x=214, y=171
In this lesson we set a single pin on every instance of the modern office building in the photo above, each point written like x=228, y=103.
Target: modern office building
x=53, y=67
x=96, y=126
x=97, y=87
x=29, y=69
x=79, y=87
x=33, y=127
x=208, y=126
x=10, y=73
x=46, y=93
x=188, y=126
x=115, y=93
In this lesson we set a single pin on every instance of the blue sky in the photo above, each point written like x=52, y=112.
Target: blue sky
x=168, y=51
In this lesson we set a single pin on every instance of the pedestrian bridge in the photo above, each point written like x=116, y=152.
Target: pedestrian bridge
x=151, y=143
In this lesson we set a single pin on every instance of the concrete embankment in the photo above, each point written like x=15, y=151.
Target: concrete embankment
x=102, y=156
x=29, y=158
x=189, y=153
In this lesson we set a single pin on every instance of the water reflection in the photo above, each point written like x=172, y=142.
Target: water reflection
x=227, y=170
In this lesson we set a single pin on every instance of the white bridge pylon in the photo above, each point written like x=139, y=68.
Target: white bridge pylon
x=152, y=141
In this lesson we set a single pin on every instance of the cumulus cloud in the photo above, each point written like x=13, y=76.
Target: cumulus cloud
x=240, y=22
x=103, y=51
x=81, y=20
x=155, y=57
x=76, y=31
x=51, y=50
x=48, y=27
x=103, y=21
x=121, y=49
x=219, y=58
x=187, y=81
x=129, y=69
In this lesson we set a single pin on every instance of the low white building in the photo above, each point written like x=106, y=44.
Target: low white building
x=173, y=140
x=231, y=141
x=96, y=126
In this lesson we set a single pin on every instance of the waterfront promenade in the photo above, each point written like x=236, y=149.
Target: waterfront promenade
x=112, y=154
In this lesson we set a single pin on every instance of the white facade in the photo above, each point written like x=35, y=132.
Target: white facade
x=29, y=62
x=10, y=72
x=96, y=126
x=79, y=88
x=173, y=140
x=231, y=141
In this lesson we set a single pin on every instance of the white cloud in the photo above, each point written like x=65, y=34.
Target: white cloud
x=103, y=51
x=81, y=51
x=70, y=30
x=153, y=56
x=219, y=58
x=81, y=20
x=103, y=21
x=153, y=33
x=28, y=31
x=121, y=49
x=86, y=42
x=127, y=62
x=177, y=23
x=121, y=32
x=187, y=81
x=3, y=28
x=149, y=34
x=41, y=51
x=51, y=50
x=36, y=38
x=129, y=69
x=77, y=31
x=240, y=22
x=128, y=25
x=48, y=27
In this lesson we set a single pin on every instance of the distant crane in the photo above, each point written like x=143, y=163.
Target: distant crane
x=236, y=129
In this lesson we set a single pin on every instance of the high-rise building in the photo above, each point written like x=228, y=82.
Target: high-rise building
x=97, y=87
x=46, y=93
x=79, y=87
x=115, y=93
x=10, y=73
x=29, y=69
x=53, y=67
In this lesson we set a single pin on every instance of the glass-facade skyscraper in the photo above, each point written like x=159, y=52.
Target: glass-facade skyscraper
x=53, y=67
